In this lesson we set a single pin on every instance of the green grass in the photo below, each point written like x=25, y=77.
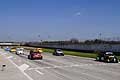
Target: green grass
x=74, y=53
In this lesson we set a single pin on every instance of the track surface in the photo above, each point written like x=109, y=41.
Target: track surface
x=65, y=68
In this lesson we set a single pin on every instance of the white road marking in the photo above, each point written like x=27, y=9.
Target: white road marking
x=39, y=68
x=39, y=72
x=3, y=53
x=20, y=69
x=23, y=67
x=10, y=57
x=70, y=66
x=96, y=77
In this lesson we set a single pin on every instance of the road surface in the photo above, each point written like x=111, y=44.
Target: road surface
x=63, y=68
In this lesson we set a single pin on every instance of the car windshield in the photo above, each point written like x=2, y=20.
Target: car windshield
x=13, y=48
x=110, y=54
x=59, y=50
x=21, y=49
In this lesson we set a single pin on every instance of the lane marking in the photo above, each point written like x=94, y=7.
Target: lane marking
x=10, y=57
x=39, y=72
x=96, y=77
x=39, y=68
x=30, y=78
x=70, y=66
x=3, y=53
x=21, y=70
x=23, y=67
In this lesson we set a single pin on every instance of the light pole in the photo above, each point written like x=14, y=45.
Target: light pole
x=99, y=36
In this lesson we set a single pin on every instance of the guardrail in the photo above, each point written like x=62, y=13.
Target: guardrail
x=82, y=47
x=9, y=44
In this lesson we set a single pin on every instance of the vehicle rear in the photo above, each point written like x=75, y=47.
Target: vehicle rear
x=20, y=51
x=13, y=50
x=39, y=50
x=35, y=55
x=7, y=49
x=108, y=57
x=58, y=52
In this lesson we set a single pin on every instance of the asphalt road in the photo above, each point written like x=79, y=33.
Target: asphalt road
x=64, y=68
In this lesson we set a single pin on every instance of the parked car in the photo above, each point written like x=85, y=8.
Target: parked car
x=58, y=52
x=108, y=57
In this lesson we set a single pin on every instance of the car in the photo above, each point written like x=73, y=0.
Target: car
x=108, y=57
x=19, y=51
x=58, y=52
x=39, y=49
x=7, y=48
x=13, y=50
x=35, y=55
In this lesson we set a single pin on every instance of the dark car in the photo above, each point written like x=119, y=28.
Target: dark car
x=108, y=57
x=58, y=52
x=35, y=55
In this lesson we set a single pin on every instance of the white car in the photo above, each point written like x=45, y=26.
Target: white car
x=58, y=52
x=20, y=51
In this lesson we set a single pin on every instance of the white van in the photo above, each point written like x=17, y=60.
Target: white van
x=20, y=51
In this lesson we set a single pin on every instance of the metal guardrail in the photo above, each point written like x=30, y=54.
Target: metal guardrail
x=82, y=47
x=9, y=44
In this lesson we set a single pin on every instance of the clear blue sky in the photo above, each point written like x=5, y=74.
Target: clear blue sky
x=58, y=19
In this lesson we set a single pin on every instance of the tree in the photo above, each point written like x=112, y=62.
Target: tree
x=74, y=40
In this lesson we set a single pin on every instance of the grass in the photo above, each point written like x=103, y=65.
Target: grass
x=74, y=53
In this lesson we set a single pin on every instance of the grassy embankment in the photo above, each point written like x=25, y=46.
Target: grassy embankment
x=74, y=53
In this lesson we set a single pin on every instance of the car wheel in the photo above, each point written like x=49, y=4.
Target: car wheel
x=108, y=60
x=117, y=61
x=97, y=58
x=41, y=58
x=62, y=54
x=53, y=53
x=31, y=58
x=102, y=58
x=16, y=53
x=28, y=56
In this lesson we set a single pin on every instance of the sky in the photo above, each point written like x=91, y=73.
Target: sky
x=33, y=20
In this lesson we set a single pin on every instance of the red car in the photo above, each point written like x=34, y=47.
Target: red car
x=35, y=55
